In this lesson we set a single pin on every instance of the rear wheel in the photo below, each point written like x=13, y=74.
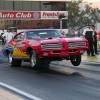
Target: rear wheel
x=13, y=62
x=75, y=60
x=35, y=61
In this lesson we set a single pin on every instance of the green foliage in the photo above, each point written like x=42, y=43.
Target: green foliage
x=81, y=17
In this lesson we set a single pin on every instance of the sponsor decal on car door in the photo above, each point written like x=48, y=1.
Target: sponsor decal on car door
x=20, y=50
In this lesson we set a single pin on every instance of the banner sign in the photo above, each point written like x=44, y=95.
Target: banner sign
x=53, y=14
x=32, y=15
x=20, y=15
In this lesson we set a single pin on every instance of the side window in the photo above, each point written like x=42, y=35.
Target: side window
x=19, y=38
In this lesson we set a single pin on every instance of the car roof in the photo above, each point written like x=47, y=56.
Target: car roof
x=38, y=30
x=24, y=31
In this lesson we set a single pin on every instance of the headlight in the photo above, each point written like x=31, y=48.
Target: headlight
x=51, y=46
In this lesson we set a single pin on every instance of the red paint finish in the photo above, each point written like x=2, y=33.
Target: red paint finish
x=36, y=45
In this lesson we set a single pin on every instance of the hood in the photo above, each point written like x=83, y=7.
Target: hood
x=60, y=40
x=38, y=41
x=75, y=39
x=51, y=40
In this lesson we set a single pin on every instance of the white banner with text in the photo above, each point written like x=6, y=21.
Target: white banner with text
x=32, y=15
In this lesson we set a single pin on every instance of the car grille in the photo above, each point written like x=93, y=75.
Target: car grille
x=76, y=44
x=51, y=46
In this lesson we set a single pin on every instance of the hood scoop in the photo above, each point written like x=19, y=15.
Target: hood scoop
x=49, y=38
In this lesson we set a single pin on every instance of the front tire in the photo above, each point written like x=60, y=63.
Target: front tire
x=75, y=60
x=13, y=62
x=46, y=63
x=35, y=61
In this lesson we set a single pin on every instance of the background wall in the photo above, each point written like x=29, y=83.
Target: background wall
x=21, y=6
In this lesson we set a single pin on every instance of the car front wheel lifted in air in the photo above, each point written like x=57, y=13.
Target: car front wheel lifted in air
x=75, y=60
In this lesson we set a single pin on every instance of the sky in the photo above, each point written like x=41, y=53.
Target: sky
x=86, y=0
x=92, y=0
x=95, y=3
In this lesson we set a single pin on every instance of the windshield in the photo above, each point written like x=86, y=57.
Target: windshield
x=43, y=34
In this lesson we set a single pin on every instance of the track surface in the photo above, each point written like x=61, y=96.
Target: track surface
x=61, y=82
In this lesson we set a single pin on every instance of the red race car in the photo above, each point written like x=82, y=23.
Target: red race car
x=41, y=46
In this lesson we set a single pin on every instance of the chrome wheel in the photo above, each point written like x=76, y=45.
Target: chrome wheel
x=33, y=60
x=10, y=58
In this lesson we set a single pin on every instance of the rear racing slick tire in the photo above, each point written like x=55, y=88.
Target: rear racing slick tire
x=13, y=62
x=75, y=60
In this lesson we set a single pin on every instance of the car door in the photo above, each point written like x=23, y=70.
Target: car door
x=19, y=46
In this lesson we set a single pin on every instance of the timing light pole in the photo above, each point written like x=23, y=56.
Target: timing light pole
x=60, y=18
x=61, y=25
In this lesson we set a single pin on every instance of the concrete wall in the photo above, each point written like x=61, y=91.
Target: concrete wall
x=24, y=5
x=2, y=23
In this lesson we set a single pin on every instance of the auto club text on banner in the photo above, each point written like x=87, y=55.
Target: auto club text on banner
x=32, y=15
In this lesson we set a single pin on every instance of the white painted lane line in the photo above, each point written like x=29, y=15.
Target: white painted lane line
x=20, y=92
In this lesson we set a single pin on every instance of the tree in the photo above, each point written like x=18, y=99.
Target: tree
x=78, y=17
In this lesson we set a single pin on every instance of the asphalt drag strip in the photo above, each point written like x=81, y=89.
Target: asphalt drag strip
x=21, y=94
x=86, y=69
x=56, y=70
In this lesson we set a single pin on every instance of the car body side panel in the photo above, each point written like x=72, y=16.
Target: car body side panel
x=15, y=51
x=7, y=48
x=19, y=53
